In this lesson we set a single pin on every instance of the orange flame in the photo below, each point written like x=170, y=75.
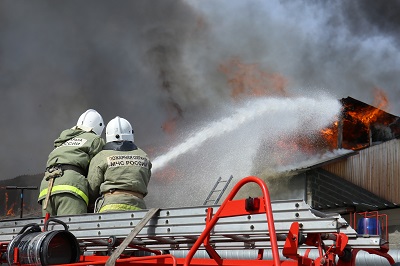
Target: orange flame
x=330, y=135
x=10, y=211
x=371, y=114
x=356, y=123
x=249, y=79
x=380, y=99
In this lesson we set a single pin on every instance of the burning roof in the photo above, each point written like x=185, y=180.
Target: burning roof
x=340, y=181
x=363, y=125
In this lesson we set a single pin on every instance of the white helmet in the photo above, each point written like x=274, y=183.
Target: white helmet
x=119, y=129
x=92, y=119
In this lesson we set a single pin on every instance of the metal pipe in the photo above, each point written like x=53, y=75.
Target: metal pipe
x=362, y=259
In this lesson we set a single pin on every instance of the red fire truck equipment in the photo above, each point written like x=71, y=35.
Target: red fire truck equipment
x=289, y=229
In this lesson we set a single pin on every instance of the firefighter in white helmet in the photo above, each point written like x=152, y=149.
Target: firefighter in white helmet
x=119, y=175
x=64, y=188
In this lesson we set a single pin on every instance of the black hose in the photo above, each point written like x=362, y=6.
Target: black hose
x=57, y=221
x=35, y=228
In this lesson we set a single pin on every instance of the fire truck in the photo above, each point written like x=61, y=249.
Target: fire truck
x=284, y=232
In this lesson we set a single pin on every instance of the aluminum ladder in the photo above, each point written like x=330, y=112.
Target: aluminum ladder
x=218, y=189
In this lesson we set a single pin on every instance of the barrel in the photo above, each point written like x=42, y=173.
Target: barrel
x=369, y=226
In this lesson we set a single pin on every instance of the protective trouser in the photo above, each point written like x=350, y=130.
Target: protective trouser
x=65, y=204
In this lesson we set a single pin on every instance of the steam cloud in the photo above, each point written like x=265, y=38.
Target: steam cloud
x=157, y=61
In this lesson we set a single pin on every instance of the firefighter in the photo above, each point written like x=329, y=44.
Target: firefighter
x=64, y=188
x=119, y=175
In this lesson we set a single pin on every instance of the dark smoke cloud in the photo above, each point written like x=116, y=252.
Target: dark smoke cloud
x=59, y=59
x=157, y=61
x=377, y=17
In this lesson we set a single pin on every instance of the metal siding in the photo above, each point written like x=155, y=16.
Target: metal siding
x=376, y=169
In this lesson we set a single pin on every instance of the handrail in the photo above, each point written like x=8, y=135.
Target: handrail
x=267, y=208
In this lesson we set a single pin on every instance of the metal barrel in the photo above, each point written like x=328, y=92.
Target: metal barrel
x=44, y=248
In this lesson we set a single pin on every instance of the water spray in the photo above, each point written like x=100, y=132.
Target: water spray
x=322, y=111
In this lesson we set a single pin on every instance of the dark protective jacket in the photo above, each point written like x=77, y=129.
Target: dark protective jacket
x=121, y=165
x=75, y=147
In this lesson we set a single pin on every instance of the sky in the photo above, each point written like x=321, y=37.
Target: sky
x=172, y=67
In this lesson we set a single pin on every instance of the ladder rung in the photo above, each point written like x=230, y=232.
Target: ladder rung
x=210, y=199
x=220, y=191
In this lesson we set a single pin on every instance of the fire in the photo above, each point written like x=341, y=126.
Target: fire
x=308, y=143
x=244, y=80
x=249, y=79
x=371, y=114
x=358, y=127
x=10, y=211
x=380, y=99
x=358, y=122
x=330, y=135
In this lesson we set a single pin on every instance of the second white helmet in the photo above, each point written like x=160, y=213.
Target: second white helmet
x=92, y=119
x=119, y=129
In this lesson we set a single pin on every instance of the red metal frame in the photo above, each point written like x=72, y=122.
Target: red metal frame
x=231, y=208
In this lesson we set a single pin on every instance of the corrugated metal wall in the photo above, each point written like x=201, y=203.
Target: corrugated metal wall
x=376, y=169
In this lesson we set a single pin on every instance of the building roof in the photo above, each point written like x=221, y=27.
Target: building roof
x=317, y=161
x=331, y=192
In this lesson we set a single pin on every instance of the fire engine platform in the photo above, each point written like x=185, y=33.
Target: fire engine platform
x=178, y=228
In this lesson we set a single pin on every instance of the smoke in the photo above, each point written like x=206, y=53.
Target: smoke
x=348, y=48
x=58, y=60
x=156, y=63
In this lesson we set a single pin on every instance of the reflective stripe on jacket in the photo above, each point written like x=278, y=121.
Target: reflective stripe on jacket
x=68, y=189
x=118, y=207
